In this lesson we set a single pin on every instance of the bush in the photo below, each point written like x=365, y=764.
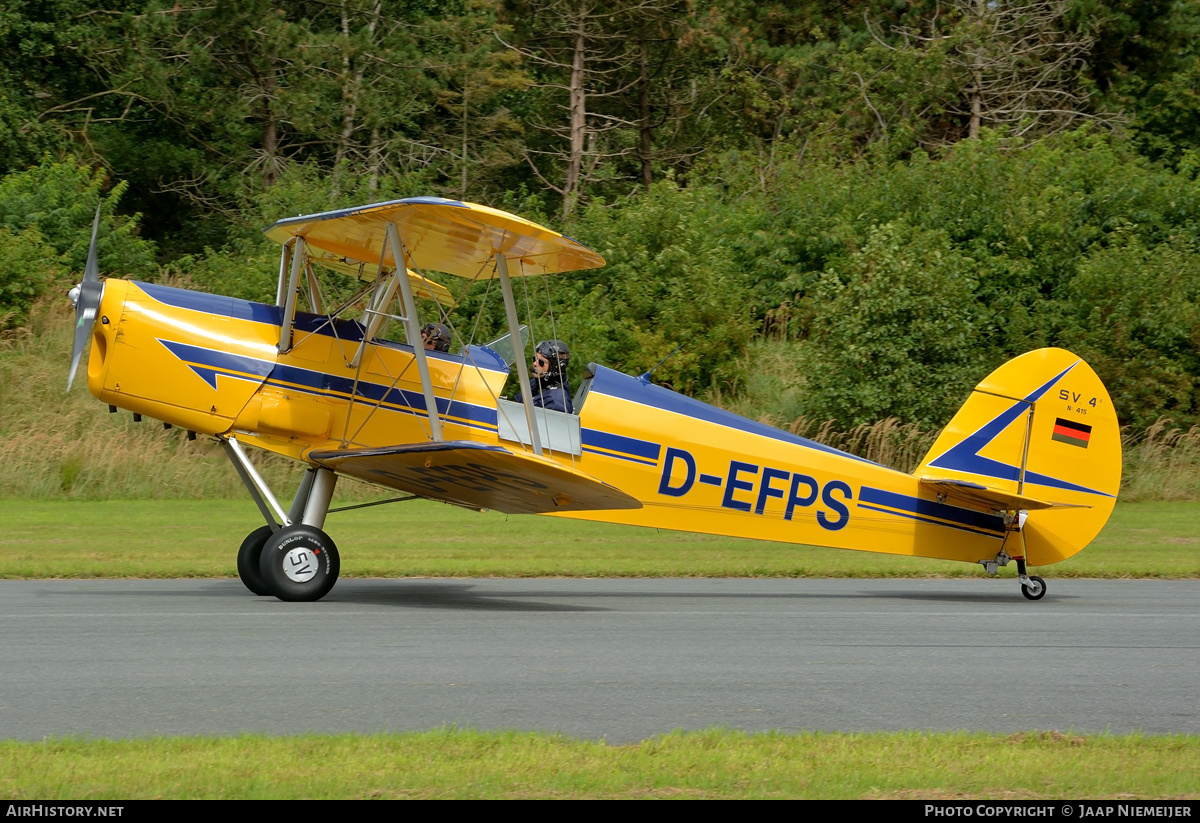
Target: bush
x=669, y=281
x=46, y=217
x=897, y=331
x=1021, y=224
x=1134, y=314
x=59, y=199
x=27, y=268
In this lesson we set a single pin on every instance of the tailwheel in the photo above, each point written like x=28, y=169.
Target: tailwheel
x=299, y=563
x=249, y=557
x=1034, y=588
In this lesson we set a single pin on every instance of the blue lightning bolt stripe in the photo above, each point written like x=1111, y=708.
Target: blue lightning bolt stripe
x=394, y=398
x=964, y=456
x=208, y=363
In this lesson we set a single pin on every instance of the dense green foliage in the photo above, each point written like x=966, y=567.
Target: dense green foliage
x=901, y=315
x=923, y=275
x=895, y=197
x=46, y=216
x=669, y=281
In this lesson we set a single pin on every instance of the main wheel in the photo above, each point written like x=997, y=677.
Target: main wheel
x=299, y=563
x=248, y=558
x=1035, y=591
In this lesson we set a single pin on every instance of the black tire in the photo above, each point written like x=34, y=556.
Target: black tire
x=248, y=559
x=1035, y=592
x=299, y=564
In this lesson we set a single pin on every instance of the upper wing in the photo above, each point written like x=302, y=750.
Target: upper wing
x=422, y=286
x=477, y=476
x=451, y=236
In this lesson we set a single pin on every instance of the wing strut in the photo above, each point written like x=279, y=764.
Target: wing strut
x=514, y=329
x=1025, y=448
x=375, y=315
x=413, y=331
x=285, y=264
x=288, y=298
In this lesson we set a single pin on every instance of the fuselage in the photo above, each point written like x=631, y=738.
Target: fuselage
x=211, y=364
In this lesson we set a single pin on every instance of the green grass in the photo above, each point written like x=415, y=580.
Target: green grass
x=199, y=538
x=1142, y=540
x=465, y=764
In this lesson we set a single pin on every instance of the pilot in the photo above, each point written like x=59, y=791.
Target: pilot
x=550, y=389
x=436, y=336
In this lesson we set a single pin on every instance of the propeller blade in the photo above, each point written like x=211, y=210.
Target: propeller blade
x=91, y=271
x=87, y=302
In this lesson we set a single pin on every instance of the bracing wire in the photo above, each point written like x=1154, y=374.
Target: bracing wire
x=550, y=309
x=528, y=307
x=553, y=326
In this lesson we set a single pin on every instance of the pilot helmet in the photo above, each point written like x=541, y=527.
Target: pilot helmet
x=557, y=353
x=439, y=334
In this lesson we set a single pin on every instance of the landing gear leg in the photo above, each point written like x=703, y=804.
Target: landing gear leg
x=1034, y=588
x=300, y=562
x=295, y=561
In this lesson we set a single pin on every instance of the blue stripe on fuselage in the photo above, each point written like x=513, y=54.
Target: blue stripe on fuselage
x=316, y=382
x=929, y=511
x=641, y=451
x=208, y=363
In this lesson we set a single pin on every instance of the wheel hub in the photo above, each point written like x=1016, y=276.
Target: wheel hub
x=301, y=564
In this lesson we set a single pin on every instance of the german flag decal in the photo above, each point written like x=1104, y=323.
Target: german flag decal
x=1068, y=431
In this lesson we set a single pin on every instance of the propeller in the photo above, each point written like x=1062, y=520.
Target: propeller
x=86, y=298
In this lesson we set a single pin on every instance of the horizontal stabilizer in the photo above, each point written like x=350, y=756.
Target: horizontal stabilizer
x=972, y=495
x=477, y=476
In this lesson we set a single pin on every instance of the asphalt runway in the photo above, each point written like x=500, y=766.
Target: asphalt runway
x=615, y=659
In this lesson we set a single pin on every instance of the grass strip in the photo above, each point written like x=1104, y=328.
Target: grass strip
x=453, y=763
x=199, y=538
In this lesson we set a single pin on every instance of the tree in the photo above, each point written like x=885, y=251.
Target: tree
x=610, y=77
x=51, y=92
x=1018, y=65
x=475, y=74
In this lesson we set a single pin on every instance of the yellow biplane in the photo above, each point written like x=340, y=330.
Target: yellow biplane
x=1028, y=470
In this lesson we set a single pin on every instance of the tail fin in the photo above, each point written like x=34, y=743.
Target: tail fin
x=1040, y=426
